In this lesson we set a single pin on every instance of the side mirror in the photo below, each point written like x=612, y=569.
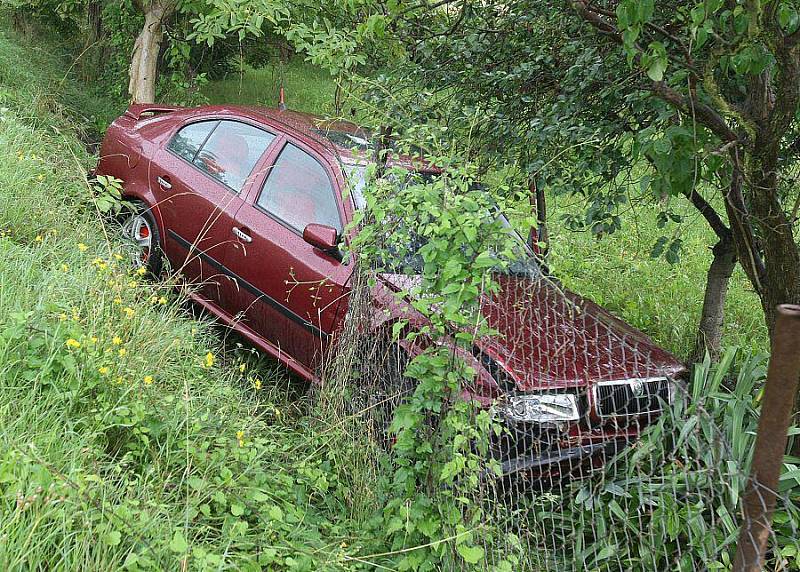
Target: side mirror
x=321, y=236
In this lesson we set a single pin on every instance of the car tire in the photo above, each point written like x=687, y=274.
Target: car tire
x=142, y=239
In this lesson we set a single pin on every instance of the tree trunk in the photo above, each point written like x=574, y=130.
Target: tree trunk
x=709, y=335
x=92, y=58
x=780, y=277
x=144, y=61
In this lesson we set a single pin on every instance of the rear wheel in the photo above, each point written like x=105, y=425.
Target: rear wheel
x=142, y=239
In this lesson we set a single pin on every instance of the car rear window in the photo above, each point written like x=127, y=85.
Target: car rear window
x=231, y=151
x=187, y=141
x=299, y=191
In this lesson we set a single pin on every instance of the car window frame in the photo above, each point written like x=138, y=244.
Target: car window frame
x=326, y=166
x=242, y=193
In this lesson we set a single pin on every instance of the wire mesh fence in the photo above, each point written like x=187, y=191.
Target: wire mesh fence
x=540, y=432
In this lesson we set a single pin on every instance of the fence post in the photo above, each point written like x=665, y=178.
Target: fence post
x=780, y=394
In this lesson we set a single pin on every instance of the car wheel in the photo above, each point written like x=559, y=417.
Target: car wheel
x=142, y=240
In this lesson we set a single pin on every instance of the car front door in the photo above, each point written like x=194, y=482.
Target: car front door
x=291, y=293
x=199, y=178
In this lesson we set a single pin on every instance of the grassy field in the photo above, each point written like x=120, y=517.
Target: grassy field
x=132, y=434
x=306, y=87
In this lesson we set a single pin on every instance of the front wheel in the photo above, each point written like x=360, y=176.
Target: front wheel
x=142, y=239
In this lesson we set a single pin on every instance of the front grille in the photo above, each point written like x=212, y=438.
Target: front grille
x=632, y=397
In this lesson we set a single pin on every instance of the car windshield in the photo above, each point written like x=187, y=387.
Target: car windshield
x=519, y=260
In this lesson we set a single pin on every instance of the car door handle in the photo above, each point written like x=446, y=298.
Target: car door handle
x=164, y=182
x=241, y=235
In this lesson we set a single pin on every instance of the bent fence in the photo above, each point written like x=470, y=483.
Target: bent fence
x=579, y=444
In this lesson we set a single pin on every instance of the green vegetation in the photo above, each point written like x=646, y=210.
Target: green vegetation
x=307, y=87
x=135, y=435
x=662, y=299
x=130, y=435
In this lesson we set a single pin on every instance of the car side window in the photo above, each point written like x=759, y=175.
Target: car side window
x=188, y=140
x=231, y=151
x=299, y=191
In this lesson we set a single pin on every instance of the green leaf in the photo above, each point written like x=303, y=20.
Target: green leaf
x=275, y=513
x=657, y=68
x=112, y=538
x=178, y=543
x=470, y=554
x=237, y=509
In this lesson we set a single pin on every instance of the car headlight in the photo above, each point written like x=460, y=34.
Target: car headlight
x=542, y=408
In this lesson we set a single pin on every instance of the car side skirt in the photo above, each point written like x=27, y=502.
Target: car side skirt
x=254, y=338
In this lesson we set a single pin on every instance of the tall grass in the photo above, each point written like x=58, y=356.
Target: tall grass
x=130, y=434
x=307, y=88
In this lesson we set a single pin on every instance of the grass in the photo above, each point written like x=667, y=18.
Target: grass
x=131, y=435
x=307, y=88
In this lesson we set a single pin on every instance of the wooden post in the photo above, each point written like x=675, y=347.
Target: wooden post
x=780, y=393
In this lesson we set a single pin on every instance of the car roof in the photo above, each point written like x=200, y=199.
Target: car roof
x=349, y=142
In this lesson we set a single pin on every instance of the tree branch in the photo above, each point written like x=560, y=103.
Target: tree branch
x=711, y=216
x=705, y=114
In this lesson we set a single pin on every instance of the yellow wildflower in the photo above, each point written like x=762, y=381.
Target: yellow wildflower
x=132, y=284
x=162, y=300
x=40, y=178
x=93, y=339
x=129, y=312
x=82, y=247
x=116, y=340
x=39, y=238
x=73, y=343
x=209, y=361
x=103, y=370
x=65, y=267
x=117, y=256
x=122, y=352
x=118, y=300
x=62, y=316
x=142, y=271
x=257, y=384
x=240, y=438
x=242, y=367
x=148, y=380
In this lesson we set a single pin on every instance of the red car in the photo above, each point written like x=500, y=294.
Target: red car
x=249, y=205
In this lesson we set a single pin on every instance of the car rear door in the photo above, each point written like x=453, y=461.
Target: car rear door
x=289, y=292
x=199, y=178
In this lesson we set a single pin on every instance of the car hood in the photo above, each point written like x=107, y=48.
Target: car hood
x=549, y=338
